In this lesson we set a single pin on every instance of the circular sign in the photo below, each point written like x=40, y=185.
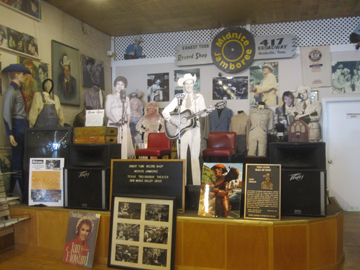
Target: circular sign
x=233, y=49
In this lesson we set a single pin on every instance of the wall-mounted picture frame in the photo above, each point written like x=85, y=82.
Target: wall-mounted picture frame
x=28, y=8
x=314, y=95
x=92, y=72
x=65, y=62
x=142, y=232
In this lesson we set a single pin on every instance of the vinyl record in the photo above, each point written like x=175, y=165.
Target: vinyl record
x=233, y=49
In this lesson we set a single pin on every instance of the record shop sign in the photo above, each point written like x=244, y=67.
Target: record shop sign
x=193, y=54
x=233, y=49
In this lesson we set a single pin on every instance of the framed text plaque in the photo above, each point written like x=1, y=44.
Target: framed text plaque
x=158, y=177
x=263, y=191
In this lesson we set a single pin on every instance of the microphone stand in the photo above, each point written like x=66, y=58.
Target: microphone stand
x=179, y=143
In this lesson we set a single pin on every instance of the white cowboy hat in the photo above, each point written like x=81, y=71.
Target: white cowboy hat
x=301, y=87
x=267, y=66
x=186, y=77
x=138, y=38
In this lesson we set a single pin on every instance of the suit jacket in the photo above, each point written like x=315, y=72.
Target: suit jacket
x=72, y=92
x=220, y=123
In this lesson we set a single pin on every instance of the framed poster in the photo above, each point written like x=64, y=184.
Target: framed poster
x=158, y=177
x=230, y=88
x=46, y=181
x=65, y=62
x=142, y=232
x=263, y=191
x=92, y=72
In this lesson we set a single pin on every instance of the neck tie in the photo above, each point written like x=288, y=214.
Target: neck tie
x=67, y=87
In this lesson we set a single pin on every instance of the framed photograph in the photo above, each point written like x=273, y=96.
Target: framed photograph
x=263, y=191
x=158, y=87
x=31, y=8
x=92, y=72
x=345, y=77
x=180, y=74
x=142, y=232
x=314, y=95
x=65, y=62
x=230, y=88
x=15, y=40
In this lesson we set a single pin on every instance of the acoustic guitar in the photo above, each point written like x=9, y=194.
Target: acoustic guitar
x=187, y=121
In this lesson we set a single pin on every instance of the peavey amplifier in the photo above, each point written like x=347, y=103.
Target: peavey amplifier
x=303, y=193
x=87, y=188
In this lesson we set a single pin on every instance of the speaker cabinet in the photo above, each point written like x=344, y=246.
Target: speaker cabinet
x=93, y=155
x=303, y=193
x=307, y=156
x=87, y=188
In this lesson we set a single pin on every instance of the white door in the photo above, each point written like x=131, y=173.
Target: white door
x=341, y=133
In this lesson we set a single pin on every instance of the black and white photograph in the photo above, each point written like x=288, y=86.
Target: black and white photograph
x=345, y=77
x=157, y=212
x=53, y=164
x=128, y=231
x=180, y=74
x=66, y=75
x=129, y=210
x=92, y=72
x=156, y=234
x=264, y=83
x=128, y=254
x=155, y=256
x=158, y=87
x=147, y=242
x=225, y=88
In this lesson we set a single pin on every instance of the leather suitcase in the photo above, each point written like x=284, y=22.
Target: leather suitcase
x=95, y=131
x=95, y=139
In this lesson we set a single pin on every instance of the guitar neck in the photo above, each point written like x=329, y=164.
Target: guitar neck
x=195, y=114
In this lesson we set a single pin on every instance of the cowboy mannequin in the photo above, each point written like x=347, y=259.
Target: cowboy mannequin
x=15, y=114
x=190, y=139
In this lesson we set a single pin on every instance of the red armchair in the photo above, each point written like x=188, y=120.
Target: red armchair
x=158, y=145
x=220, y=144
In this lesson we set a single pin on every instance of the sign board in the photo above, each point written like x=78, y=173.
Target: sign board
x=281, y=46
x=263, y=191
x=233, y=49
x=94, y=118
x=158, y=177
x=193, y=54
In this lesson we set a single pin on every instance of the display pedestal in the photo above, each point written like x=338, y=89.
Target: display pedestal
x=210, y=243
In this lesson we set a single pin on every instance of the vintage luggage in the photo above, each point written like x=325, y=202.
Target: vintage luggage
x=95, y=135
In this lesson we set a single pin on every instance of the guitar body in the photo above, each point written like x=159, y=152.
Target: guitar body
x=172, y=132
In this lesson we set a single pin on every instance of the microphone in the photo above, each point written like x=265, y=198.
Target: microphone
x=180, y=98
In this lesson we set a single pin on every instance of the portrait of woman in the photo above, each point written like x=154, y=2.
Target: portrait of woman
x=282, y=113
x=79, y=248
x=136, y=114
x=151, y=122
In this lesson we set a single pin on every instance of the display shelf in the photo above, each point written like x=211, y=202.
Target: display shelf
x=211, y=243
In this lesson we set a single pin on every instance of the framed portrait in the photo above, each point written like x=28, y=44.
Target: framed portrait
x=180, y=74
x=15, y=40
x=3, y=37
x=92, y=72
x=264, y=83
x=345, y=77
x=230, y=88
x=31, y=8
x=158, y=87
x=142, y=232
x=65, y=62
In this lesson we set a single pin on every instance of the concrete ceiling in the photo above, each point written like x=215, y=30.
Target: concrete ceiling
x=134, y=17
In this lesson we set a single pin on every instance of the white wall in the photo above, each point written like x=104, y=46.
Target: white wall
x=55, y=25
x=290, y=75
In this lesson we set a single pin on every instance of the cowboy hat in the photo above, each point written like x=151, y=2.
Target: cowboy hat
x=267, y=66
x=186, y=77
x=17, y=68
x=301, y=87
x=267, y=175
x=138, y=38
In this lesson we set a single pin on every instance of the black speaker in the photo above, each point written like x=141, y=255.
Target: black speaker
x=87, y=188
x=303, y=192
x=93, y=155
x=308, y=156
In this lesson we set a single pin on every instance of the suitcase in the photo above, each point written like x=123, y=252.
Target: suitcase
x=95, y=135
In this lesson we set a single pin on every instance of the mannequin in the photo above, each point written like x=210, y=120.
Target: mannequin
x=240, y=124
x=261, y=119
x=15, y=114
x=220, y=119
x=117, y=108
x=46, y=110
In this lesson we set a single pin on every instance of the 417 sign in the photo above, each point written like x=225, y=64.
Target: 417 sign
x=275, y=47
